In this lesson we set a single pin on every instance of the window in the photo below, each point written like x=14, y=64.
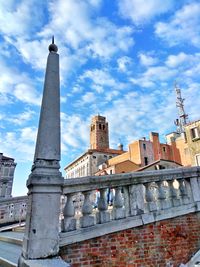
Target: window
x=103, y=127
x=198, y=159
x=99, y=126
x=145, y=161
x=144, y=146
x=110, y=171
x=194, y=133
x=164, y=149
x=6, y=170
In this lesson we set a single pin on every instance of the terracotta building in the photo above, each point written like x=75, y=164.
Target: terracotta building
x=7, y=169
x=144, y=152
x=99, y=152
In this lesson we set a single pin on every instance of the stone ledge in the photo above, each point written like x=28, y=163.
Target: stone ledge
x=67, y=238
x=133, y=178
x=57, y=261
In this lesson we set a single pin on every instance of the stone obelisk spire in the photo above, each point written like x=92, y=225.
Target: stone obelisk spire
x=41, y=239
x=48, y=138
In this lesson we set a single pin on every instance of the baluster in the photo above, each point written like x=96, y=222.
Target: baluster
x=163, y=203
x=188, y=189
x=173, y=194
x=127, y=201
x=69, y=221
x=182, y=188
x=118, y=207
x=87, y=219
x=151, y=204
x=194, y=188
x=103, y=215
x=137, y=199
x=183, y=191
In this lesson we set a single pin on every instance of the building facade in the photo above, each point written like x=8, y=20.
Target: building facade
x=7, y=169
x=88, y=163
x=143, y=153
x=192, y=132
x=187, y=144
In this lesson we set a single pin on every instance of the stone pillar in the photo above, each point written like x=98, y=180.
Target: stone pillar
x=41, y=240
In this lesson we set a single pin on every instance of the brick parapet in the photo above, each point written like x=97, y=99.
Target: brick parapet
x=160, y=243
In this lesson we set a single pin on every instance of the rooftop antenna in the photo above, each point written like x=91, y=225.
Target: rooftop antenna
x=182, y=120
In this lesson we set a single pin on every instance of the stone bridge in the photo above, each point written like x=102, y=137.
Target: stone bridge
x=153, y=221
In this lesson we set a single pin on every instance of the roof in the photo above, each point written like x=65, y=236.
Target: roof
x=91, y=151
x=192, y=122
x=156, y=162
x=126, y=160
x=6, y=158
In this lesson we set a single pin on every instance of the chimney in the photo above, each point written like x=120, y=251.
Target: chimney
x=120, y=146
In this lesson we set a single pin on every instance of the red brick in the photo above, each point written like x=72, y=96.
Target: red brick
x=151, y=245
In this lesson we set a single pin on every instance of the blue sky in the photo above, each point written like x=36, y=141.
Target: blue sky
x=117, y=58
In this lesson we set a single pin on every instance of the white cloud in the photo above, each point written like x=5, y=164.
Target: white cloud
x=154, y=75
x=77, y=133
x=147, y=59
x=138, y=114
x=97, y=35
x=99, y=77
x=16, y=19
x=123, y=63
x=27, y=94
x=176, y=60
x=183, y=27
x=142, y=11
x=19, y=143
x=5, y=99
x=20, y=119
x=98, y=88
x=16, y=85
x=87, y=98
x=110, y=95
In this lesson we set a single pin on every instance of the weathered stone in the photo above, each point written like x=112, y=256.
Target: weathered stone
x=118, y=213
x=195, y=189
x=86, y=221
x=102, y=216
x=137, y=205
x=152, y=206
x=57, y=261
x=164, y=204
x=69, y=224
x=176, y=202
x=41, y=238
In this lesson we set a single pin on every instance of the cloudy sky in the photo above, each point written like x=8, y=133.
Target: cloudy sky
x=118, y=58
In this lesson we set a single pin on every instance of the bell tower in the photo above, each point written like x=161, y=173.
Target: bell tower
x=99, y=138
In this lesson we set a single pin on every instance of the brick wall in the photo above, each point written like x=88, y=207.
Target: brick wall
x=153, y=245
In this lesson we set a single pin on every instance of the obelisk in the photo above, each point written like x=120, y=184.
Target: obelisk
x=44, y=184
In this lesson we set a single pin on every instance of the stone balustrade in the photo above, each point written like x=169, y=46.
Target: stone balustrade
x=139, y=198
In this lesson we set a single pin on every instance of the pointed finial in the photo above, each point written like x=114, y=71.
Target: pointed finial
x=52, y=46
